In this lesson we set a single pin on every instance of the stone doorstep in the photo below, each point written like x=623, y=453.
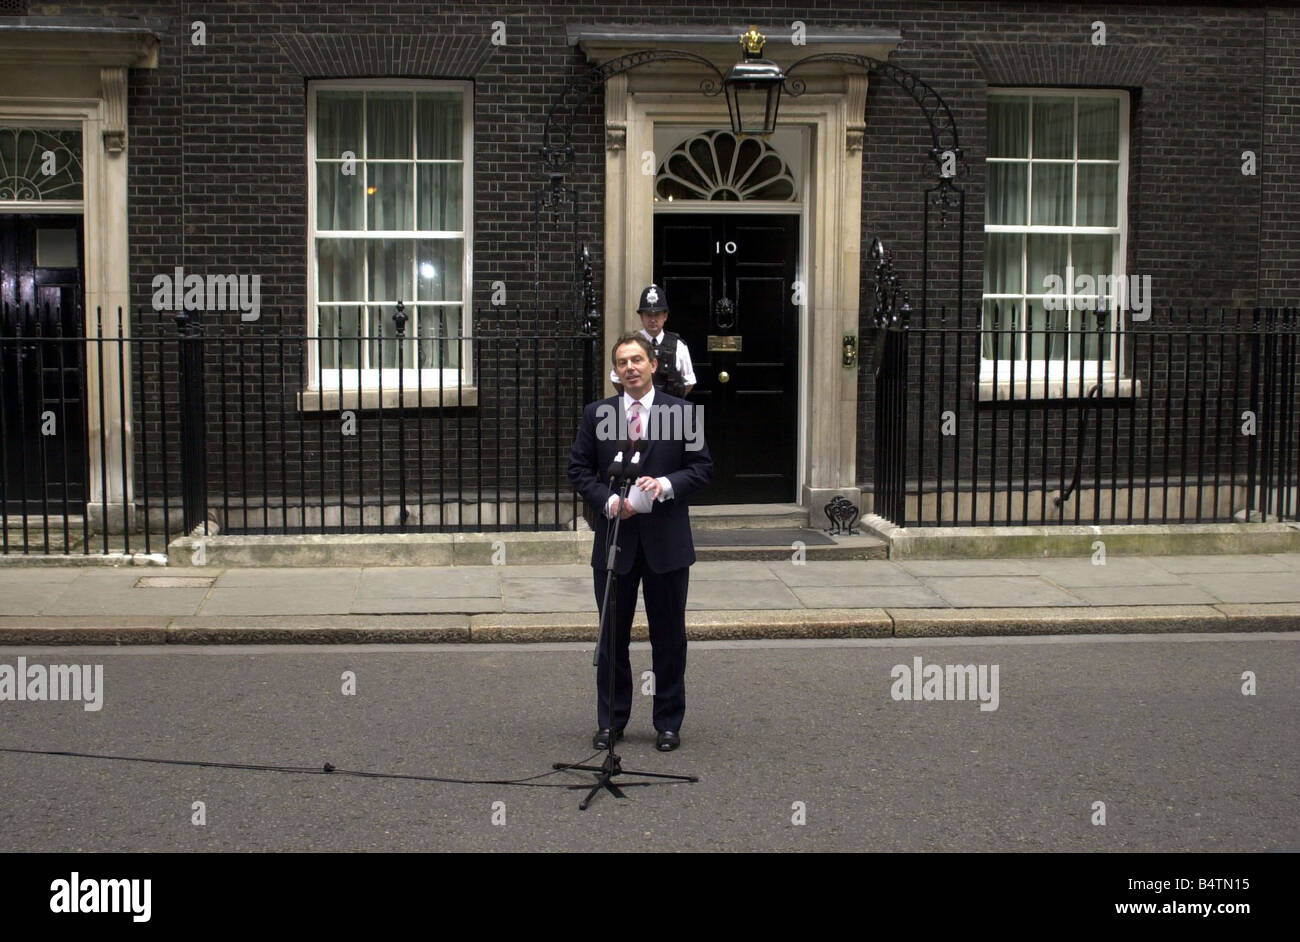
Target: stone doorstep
x=748, y=516
x=848, y=547
x=1011, y=542
x=703, y=625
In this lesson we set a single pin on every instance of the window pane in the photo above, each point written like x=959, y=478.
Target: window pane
x=1053, y=194
x=1008, y=126
x=328, y=329
x=1048, y=335
x=1093, y=256
x=1053, y=127
x=1099, y=128
x=1005, y=196
x=379, y=319
x=56, y=248
x=388, y=124
x=339, y=263
x=1003, y=263
x=390, y=270
x=439, y=270
x=440, y=196
x=1047, y=255
x=338, y=197
x=1092, y=339
x=390, y=198
x=338, y=331
x=1098, y=194
x=338, y=124
x=350, y=343
x=439, y=125
x=436, y=326
x=1001, y=326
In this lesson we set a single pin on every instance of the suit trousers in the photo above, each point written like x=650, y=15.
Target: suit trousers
x=665, y=605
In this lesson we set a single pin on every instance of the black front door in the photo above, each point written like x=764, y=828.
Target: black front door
x=42, y=356
x=730, y=285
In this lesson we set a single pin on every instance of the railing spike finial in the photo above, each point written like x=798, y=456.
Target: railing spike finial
x=893, y=305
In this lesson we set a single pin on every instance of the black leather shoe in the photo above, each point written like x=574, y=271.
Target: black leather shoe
x=668, y=741
x=601, y=739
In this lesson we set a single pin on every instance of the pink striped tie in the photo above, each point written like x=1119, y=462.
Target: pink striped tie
x=634, y=427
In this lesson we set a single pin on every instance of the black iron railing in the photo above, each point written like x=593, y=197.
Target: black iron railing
x=115, y=444
x=1064, y=420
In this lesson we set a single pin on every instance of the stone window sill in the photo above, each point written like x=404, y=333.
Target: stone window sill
x=1055, y=387
x=313, y=400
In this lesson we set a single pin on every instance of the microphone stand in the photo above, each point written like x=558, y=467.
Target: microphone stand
x=613, y=765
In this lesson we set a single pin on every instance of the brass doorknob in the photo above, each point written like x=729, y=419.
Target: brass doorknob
x=724, y=377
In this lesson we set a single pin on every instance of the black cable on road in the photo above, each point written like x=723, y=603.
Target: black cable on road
x=326, y=769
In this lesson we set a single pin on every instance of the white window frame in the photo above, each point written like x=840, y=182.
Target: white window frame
x=1065, y=371
x=454, y=382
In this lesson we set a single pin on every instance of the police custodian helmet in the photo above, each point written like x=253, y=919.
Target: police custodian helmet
x=653, y=301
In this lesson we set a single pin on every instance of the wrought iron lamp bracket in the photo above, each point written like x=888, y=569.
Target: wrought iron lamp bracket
x=943, y=127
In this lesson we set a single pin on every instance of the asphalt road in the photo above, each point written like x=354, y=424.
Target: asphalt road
x=1156, y=727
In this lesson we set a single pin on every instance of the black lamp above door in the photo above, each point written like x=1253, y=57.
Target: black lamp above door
x=753, y=88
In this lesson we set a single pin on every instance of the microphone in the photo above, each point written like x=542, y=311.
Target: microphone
x=617, y=467
x=634, y=462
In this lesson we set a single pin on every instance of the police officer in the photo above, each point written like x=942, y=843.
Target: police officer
x=675, y=375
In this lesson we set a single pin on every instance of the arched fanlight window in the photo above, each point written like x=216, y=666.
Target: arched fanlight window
x=40, y=164
x=715, y=165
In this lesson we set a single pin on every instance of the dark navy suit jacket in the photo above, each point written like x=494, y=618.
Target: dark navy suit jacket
x=663, y=535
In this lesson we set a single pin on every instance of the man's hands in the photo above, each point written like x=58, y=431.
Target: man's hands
x=651, y=486
x=625, y=513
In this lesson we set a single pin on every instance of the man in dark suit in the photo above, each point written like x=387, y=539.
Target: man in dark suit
x=654, y=545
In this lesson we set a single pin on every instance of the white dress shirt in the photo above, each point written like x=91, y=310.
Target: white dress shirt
x=684, y=365
x=637, y=498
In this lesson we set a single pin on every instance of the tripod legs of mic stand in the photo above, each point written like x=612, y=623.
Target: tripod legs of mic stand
x=604, y=773
x=612, y=766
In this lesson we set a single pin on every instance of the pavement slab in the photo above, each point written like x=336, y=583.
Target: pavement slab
x=883, y=596
x=415, y=582
x=970, y=567
x=279, y=600
x=1221, y=564
x=1143, y=595
x=551, y=595
x=289, y=578
x=417, y=605
x=734, y=571
x=1250, y=586
x=870, y=572
x=999, y=591
x=1115, y=571
x=125, y=599
x=740, y=595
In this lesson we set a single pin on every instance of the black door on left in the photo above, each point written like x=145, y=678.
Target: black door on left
x=43, y=411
